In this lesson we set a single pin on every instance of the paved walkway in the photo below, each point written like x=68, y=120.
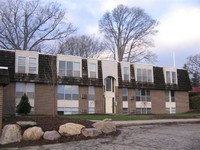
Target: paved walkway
x=151, y=122
x=137, y=135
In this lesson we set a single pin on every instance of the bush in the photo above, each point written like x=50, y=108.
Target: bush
x=195, y=102
x=24, y=106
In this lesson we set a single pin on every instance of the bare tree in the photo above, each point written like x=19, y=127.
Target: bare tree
x=26, y=25
x=84, y=46
x=131, y=31
x=193, y=64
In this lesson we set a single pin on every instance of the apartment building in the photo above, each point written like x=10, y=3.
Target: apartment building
x=73, y=85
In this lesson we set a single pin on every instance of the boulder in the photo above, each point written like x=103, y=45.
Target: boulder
x=69, y=129
x=51, y=135
x=105, y=126
x=91, y=132
x=26, y=124
x=11, y=133
x=32, y=134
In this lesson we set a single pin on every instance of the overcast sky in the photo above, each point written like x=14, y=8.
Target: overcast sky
x=179, y=24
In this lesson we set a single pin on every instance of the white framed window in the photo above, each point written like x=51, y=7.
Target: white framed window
x=92, y=70
x=170, y=77
x=91, y=93
x=32, y=65
x=69, y=68
x=169, y=96
x=143, y=95
x=21, y=64
x=144, y=75
x=26, y=62
x=126, y=73
x=170, y=74
x=25, y=88
x=67, y=92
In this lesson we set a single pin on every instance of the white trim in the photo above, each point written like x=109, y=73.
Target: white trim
x=27, y=55
x=3, y=67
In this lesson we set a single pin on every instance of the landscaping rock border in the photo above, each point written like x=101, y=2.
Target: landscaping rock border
x=68, y=129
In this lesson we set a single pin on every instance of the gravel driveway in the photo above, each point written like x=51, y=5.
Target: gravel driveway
x=149, y=137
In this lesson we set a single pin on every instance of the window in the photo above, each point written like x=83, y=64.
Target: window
x=109, y=84
x=28, y=89
x=144, y=75
x=92, y=68
x=125, y=110
x=68, y=68
x=143, y=110
x=67, y=92
x=32, y=65
x=126, y=73
x=171, y=77
x=68, y=110
x=125, y=94
x=91, y=93
x=169, y=96
x=26, y=64
x=21, y=64
x=25, y=88
x=143, y=95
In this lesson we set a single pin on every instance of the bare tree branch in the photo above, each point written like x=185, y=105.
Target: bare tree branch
x=84, y=46
x=26, y=25
x=129, y=29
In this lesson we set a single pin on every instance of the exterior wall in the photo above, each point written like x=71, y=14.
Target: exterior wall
x=45, y=99
x=131, y=101
x=99, y=100
x=1, y=106
x=109, y=68
x=83, y=102
x=119, y=100
x=157, y=101
x=182, y=102
x=9, y=99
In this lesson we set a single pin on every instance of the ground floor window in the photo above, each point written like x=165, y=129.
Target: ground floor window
x=125, y=110
x=67, y=110
x=67, y=92
x=25, y=88
x=170, y=110
x=143, y=110
x=143, y=95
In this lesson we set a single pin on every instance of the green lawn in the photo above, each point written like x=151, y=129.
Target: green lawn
x=132, y=117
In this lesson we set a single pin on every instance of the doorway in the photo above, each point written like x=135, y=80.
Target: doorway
x=110, y=102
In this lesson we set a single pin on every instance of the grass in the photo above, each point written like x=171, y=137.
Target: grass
x=132, y=117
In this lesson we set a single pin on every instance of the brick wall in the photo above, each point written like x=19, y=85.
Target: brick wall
x=9, y=99
x=131, y=101
x=157, y=101
x=182, y=102
x=99, y=100
x=1, y=106
x=119, y=100
x=83, y=102
x=45, y=102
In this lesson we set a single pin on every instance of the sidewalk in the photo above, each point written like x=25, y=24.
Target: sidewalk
x=151, y=122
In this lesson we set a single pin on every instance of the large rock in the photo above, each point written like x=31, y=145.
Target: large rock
x=32, y=134
x=69, y=129
x=105, y=126
x=11, y=133
x=26, y=124
x=91, y=132
x=51, y=135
